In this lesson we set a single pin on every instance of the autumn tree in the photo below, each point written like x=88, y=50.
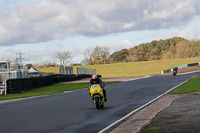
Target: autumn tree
x=105, y=55
x=195, y=48
x=119, y=56
x=132, y=55
x=176, y=47
x=100, y=55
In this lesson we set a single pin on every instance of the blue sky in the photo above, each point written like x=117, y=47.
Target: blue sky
x=40, y=28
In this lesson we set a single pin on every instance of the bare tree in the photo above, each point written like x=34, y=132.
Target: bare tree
x=47, y=62
x=16, y=61
x=87, y=56
x=64, y=57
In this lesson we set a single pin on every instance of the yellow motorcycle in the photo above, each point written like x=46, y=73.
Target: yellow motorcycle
x=97, y=95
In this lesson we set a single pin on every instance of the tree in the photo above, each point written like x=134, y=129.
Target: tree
x=142, y=50
x=28, y=66
x=183, y=49
x=47, y=62
x=100, y=55
x=195, y=49
x=119, y=56
x=170, y=53
x=96, y=56
x=16, y=61
x=64, y=57
x=105, y=55
x=87, y=57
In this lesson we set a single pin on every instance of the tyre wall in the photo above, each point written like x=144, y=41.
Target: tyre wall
x=21, y=85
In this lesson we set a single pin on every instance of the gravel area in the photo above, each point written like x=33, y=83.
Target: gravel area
x=173, y=113
x=183, y=116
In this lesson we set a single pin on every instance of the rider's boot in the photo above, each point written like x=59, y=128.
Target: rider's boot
x=91, y=97
x=104, y=93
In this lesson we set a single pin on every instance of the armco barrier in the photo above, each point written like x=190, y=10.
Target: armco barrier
x=186, y=65
x=86, y=76
x=180, y=67
x=65, y=78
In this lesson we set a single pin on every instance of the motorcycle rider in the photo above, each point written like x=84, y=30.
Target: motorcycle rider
x=96, y=80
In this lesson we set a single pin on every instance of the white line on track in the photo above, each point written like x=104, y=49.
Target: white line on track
x=131, y=113
x=137, y=78
x=187, y=73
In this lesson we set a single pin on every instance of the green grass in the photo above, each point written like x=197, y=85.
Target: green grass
x=192, y=85
x=124, y=69
x=139, y=68
x=55, y=70
x=154, y=130
x=56, y=88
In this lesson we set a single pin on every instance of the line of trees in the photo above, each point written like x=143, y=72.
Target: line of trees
x=176, y=47
x=63, y=57
x=172, y=48
x=99, y=55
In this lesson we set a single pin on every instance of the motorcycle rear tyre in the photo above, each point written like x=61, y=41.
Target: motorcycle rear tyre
x=97, y=102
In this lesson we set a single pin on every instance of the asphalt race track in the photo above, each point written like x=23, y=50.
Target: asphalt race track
x=74, y=112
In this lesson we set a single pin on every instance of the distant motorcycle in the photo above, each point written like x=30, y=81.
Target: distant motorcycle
x=97, y=95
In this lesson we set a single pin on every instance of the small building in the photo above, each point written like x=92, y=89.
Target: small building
x=4, y=75
x=8, y=72
x=4, y=70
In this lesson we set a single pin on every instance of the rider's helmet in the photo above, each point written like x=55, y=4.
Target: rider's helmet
x=94, y=78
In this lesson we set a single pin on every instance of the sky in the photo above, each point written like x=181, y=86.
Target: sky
x=41, y=28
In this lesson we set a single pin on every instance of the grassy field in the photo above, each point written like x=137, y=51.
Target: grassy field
x=193, y=85
x=132, y=68
x=47, y=90
x=48, y=69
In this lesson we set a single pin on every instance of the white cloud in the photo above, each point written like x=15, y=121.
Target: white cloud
x=9, y=54
x=129, y=25
x=190, y=33
x=119, y=45
x=50, y=19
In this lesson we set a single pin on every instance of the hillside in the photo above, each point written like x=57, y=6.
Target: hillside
x=173, y=48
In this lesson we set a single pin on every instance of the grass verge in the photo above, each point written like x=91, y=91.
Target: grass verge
x=154, y=130
x=47, y=90
x=192, y=85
